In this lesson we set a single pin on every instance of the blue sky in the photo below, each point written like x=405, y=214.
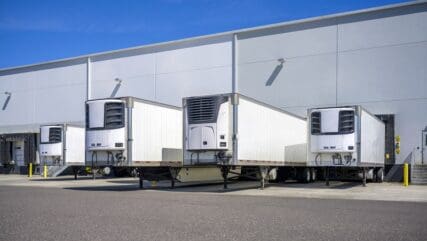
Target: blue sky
x=37, y=31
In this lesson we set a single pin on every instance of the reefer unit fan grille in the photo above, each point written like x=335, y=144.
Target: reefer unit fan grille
x=54, y=135
x=315, y=122
x=346, y=124
x=114, y=115
x=204, y=109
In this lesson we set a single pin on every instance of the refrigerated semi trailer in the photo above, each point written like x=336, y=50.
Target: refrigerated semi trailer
x=235, y=132
x=346, y=139
x=61, y=147
x=131, y=133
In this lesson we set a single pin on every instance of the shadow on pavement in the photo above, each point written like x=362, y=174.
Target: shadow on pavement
x=322, y=185
x=130, y=185
x=70, y=178
x=216, y=187
x=115, y=188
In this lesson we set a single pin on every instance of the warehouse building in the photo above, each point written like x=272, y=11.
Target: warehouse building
x=374, y=57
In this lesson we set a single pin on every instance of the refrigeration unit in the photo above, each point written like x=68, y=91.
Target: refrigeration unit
x=235, y=132
x=347, y=139
x=134, y=134
x=61, y=148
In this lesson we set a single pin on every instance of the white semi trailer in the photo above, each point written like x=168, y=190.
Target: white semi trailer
x=347, y=140
x=62, y=147
x=136, y=134
x=235, y=132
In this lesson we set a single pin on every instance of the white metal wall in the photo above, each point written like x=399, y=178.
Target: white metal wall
x=377, y=60
x=307, y=76
x=53, y=95
x=167, y=74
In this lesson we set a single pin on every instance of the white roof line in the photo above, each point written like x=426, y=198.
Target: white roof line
x=281, y=24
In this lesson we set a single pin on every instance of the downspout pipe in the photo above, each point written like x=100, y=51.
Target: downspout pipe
x=235, y=101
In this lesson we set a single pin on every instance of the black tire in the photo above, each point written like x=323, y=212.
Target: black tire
x=282, y=174
x=380, y=175
x=304, y=175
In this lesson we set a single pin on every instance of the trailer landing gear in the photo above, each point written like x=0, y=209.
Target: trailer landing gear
x=327, y=176
x=141, y=181
x=364, y=176
x=264, y=172
x=75, y=172
x=173, y=173
x=224, y=171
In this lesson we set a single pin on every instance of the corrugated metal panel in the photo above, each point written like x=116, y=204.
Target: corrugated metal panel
x=390, y=73
x=381, y=30
x=300, y=82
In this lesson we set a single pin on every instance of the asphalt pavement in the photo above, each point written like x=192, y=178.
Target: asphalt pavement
x=41, y=213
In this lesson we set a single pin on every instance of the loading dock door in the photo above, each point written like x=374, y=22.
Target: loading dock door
x=18, y=153
x=21, y=148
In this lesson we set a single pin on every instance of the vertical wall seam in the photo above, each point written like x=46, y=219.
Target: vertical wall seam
x=336, y=64
x=155, y=76
x=88, y=78
x=234, y=85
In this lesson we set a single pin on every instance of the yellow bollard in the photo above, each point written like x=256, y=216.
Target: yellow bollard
x=45, y=171
x=30, y=170
x=405, y=174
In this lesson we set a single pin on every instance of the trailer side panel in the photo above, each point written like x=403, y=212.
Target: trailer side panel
x=75, y=145
x=264, y=133
x=372, y=140
x=156, y=130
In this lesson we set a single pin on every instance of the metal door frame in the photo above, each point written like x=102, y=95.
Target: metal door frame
x=423, y=146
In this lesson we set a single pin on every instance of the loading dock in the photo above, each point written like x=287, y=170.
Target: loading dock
x=17, y=151
x=372, y=57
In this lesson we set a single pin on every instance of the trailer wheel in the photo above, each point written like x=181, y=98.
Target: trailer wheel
x=304, y=175
x=313, y=175
x=272, y=174
x=380, y=175
x=107, y=171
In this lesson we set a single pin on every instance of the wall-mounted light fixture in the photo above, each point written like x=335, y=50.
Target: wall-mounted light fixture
x=117, y=87
x=118, y=80
x=275, y=72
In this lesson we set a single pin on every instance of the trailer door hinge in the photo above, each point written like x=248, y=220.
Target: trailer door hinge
x=235, y=99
